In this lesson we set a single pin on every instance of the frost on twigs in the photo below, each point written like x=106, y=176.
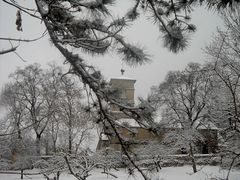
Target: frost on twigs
x=52, y=166
x=133, y=55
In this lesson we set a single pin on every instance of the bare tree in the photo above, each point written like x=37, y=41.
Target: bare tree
x=29, y=81
x=226, y=68
x=51, y=93
x=72, y=112
x=226, y=57
x=12, y=100
x=183, y=99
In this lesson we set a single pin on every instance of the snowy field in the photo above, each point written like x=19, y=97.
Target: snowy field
x=168, y=173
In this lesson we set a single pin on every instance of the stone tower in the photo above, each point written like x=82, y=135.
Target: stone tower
x=125, y=88
x=125, y=93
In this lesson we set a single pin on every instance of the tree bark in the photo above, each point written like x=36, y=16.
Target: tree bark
x=70, y=139
x=38, y=148
x=70, y=142
x=194, y=166
x=54, y=146
x=21, y=173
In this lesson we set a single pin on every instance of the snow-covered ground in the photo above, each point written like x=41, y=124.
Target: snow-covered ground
x=167, y=173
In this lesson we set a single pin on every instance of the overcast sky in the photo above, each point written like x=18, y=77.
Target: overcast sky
x=142, y=32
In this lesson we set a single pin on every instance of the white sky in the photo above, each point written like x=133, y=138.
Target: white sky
x=142, y=32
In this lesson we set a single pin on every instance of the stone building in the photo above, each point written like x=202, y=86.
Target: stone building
x=136, y=136
x=125, y=88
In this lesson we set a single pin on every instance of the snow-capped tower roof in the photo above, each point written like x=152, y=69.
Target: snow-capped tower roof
x=123, y=77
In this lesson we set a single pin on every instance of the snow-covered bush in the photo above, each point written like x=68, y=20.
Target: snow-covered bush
x=109, y=159
x=52, y=166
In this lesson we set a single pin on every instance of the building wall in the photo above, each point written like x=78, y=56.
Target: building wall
x=125, y=89
x=141, y=135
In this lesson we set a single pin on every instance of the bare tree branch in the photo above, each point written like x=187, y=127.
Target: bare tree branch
x=13, y=49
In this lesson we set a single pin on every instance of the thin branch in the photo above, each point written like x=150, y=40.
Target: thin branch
x=15, y=132
x=23, y=40
x=20, y=57
x=12, y=49
x=22, y=9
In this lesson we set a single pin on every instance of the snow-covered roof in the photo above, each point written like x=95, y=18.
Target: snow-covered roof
x=197, y=125
x=131, y=122
x=124, y=78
